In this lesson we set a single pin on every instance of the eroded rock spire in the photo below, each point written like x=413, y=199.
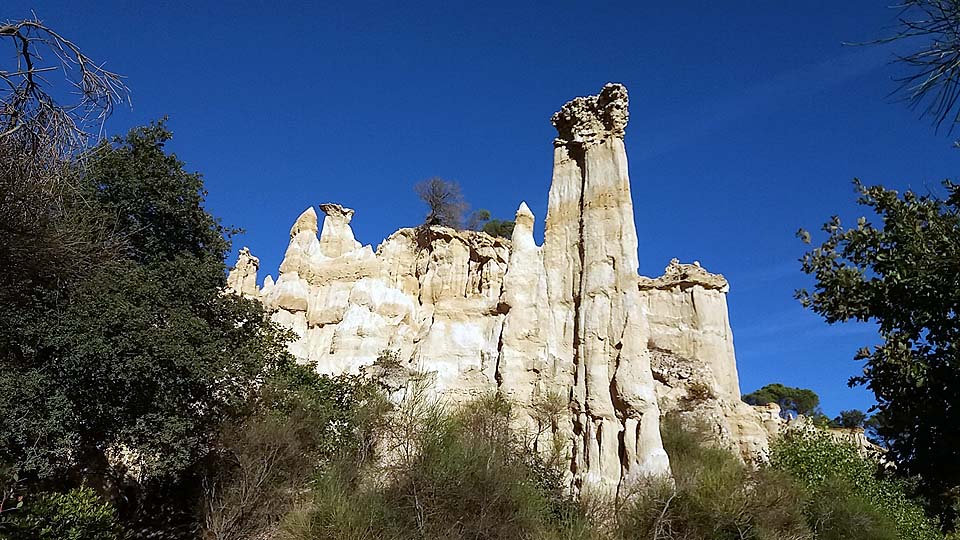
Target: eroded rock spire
x=590, y=254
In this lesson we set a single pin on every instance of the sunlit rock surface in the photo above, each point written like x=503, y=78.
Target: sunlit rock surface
x=568, y=321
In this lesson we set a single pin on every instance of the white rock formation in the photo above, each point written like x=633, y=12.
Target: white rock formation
x=600, y=333
x=694, y=362
x=243, y=276
x=569, y=321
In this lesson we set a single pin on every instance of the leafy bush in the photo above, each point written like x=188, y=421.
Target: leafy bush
x=264, y=461
x=462, y=474
x=465, y=475
x=499, y=227
x=78, y=514
x=845, y=492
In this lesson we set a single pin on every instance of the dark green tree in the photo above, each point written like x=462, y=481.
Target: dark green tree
x=498, y=227
x=903, y=274
x=792, y=401
x=849, y=419
x=143, y=351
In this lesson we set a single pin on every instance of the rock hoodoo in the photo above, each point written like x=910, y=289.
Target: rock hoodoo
x=570, y=321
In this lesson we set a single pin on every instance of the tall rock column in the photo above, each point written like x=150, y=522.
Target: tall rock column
x=600, y=331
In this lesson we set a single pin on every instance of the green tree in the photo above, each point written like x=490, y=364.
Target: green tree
x=847, y=497
x=849, y=419
x=795, y=401
x=144, y=352
x=902, y=274
x=498, y=227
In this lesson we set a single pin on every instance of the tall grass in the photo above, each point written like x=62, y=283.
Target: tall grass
x=712, y=496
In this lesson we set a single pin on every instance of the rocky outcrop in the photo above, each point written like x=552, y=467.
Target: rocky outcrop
x=243, y=276
x=569, y=322
x=694, y=361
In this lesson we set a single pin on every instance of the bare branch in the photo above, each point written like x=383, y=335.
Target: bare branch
x=933, y=86
x=51, y=129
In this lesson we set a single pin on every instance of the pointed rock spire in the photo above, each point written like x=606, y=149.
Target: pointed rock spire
x=523, y=228
x=307, y=222
x=337, y=238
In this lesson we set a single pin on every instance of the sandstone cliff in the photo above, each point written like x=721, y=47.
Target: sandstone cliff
x=570, y=320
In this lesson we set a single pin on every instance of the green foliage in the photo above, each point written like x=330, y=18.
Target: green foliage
x=78, y=514
x=462, y=475
x=798, y=401
x=837, y=512
x=849, y=419
x=499, y=227
x=156, y=202
x=137, y=350
x=145, y=351
x=299, y=421
x=459, y=475
x=901, y=273
x=845, y=492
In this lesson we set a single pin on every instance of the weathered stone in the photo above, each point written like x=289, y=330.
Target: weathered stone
x=569, y=323
x=242, y=278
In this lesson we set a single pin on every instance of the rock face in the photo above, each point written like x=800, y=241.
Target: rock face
x=693, y=358
x=569, y=322
x=243, y=275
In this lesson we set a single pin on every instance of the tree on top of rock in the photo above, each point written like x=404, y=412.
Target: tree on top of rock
x=792, y=401
x=447, y=206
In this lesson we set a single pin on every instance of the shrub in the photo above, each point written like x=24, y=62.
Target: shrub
x=847, y=491
x=264, y=462
x=714, y=496
x=462, y=474
x=698, y=392
x=499, y=227
x=78, y=514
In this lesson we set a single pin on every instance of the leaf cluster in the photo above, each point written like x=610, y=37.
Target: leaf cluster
x=903, y=274
x=79, y=514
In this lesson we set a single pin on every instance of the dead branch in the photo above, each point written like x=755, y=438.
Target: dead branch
x=53, y=128
x=933, y=84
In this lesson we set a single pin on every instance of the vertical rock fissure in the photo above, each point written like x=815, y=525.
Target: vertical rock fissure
x=576, y=153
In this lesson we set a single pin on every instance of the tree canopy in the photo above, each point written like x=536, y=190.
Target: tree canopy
x=792, y=401
x=143, y=351
x=902, y=273
x=499, y=227
x=849, y=419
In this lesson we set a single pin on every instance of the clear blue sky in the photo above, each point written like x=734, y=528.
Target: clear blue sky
x=748, y=121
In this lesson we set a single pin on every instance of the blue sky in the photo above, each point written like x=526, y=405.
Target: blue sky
x=748, y=121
